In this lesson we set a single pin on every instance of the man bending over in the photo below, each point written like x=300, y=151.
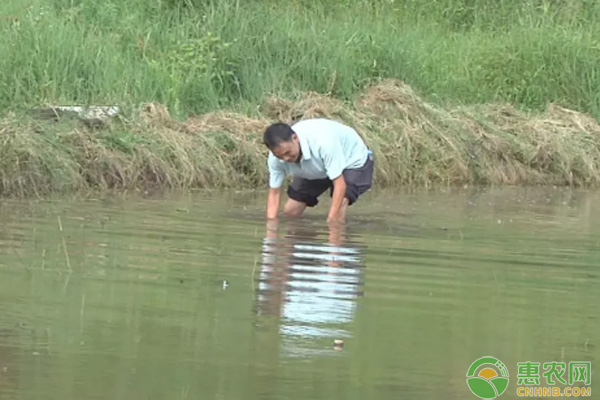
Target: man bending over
x=320, y=154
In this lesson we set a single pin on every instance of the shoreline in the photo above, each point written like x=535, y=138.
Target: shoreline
x=415, y=143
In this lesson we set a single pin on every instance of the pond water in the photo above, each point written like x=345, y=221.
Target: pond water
x=194, y=297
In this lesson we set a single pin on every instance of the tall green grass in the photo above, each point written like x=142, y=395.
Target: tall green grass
x=201, y=55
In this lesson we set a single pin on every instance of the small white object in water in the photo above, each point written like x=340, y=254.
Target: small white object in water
x=225, y=284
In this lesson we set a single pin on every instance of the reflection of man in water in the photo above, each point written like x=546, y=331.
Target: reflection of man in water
x=310, y=284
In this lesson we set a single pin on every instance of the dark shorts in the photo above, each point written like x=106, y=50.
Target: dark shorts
x=358, y=181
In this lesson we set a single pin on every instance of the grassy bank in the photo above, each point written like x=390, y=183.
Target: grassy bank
x=415, y=143
x=264, y=59
x=201, y=55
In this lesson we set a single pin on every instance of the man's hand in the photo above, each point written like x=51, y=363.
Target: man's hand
x=337, y=211
x=273, y=199
x=336, y=234
x=272, y=228
x=336, y=240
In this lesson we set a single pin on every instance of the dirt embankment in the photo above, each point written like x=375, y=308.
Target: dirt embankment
x=415, y=143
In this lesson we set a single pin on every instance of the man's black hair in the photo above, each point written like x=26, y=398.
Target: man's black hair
x=277, y=133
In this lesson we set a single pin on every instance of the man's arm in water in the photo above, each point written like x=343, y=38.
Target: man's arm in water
x=337, y=200
x=273, y=201
x=276, y=179
x=333, y=160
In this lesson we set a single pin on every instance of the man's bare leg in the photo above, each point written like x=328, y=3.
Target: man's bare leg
x=293, y=208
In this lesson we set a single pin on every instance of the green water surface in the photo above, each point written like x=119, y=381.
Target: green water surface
x=192, y=297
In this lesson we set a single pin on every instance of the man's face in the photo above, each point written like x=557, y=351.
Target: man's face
x=288, y=151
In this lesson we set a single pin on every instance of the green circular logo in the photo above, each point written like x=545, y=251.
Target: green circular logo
x=487, y=378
